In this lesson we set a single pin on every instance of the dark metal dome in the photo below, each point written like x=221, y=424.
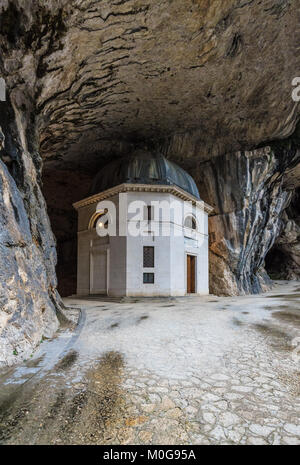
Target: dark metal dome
x=143, y=168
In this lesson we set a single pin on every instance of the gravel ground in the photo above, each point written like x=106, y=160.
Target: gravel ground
x=194, y=370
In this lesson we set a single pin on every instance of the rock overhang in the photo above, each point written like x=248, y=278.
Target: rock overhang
x=197, y=78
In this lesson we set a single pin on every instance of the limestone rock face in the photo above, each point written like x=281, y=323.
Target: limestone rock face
x=27, y=312
x=217, y=74
x=29, y=303
x=247, y=192
x=218, y=71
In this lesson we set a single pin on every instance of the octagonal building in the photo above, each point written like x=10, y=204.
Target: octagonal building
x=142, y=231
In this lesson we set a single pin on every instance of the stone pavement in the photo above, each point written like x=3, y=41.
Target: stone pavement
x=209, y=370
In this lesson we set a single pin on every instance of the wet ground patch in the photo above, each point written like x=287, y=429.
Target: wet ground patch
x=93, y=412
x=114, y=325
x=276, y=337
x=143, y=318
x=269, y=308
x=13, y=412
x=288, y=317
x=9, y=423
x=57, y=405
x=67, y=361
x=73, y=409
x=35, y=414
x=237, y=322
x=53, y=413
x=284, y=296
x=34, y=363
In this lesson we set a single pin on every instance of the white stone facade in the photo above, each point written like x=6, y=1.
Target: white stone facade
x=114, y=265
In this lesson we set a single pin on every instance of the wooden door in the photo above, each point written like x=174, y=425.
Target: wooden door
x=191, y=274
x=98, y=277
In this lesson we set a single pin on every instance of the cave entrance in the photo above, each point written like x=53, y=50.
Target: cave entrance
x=61, y=188
x=283, y=259
x=275, y=263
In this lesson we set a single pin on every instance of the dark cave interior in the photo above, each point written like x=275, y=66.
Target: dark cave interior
x=283, y=259
x=61, y=189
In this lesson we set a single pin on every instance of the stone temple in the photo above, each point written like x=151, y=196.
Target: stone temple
x=143, y=231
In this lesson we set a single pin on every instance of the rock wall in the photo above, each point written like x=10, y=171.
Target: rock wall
x=29, y=303
x=247, y=193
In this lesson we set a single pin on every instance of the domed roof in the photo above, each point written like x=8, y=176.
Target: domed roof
x=143, y=168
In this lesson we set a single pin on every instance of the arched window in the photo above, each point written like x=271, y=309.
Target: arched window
x=190, y=222
x=96, y=220
x=102, y=221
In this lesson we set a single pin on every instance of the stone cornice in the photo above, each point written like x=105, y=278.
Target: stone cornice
x=177, y=191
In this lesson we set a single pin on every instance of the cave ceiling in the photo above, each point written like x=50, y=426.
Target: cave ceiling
x=197, y=77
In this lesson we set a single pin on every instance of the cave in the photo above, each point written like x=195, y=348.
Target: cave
x=276, y=263
x=283, y=259
x=67, y=187
x=89, y=82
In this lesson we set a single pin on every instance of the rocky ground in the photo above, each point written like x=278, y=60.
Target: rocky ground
x=206, y=370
